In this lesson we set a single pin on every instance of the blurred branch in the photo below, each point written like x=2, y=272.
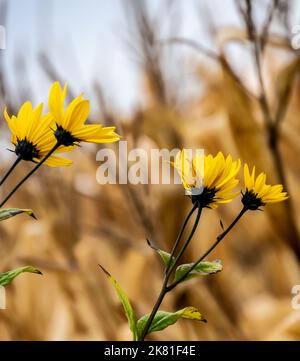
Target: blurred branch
x=253, y=37
x=49, y=265
x=266, y=26
x=209, y=53
x=116, y=235
x=106, y=114
x=50, y=70
x=191, y=43
x=145, y=38
x=272, y=124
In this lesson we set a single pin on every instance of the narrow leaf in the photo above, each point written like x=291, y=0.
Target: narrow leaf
x=125, y=302
x=11, y=212
x=7, y=277
x=164, y=319
x=202, y=269
x=221, y=224
x=165, y=256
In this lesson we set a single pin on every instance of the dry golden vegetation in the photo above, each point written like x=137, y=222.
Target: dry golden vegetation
x=81, y=223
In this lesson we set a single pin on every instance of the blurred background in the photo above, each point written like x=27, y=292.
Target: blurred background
x=221, y=75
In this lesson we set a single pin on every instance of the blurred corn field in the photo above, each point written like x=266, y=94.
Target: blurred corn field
x=252, y=115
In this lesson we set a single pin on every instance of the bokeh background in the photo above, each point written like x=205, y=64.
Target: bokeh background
x=212, y=74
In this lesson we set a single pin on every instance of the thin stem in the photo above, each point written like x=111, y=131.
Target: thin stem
x=180, y=236
x=187, y=242
x=29, y=174
x=155, y=309
x=169, y=269
x=16, y=162
x=165, y=288
x=218, y=240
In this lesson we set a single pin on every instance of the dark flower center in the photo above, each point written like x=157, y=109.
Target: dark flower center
x=26, y=150
x=205, y=198
x=251, y=201
x=64, y=137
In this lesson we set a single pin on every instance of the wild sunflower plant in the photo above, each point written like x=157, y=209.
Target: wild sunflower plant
x=209, y=182
x=39, y=139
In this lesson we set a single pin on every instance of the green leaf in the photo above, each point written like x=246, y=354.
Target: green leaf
x=11, y=212
x=125, y=302
x=164, y=319
x=165, y=256
x=202, y=269
x=7, y=277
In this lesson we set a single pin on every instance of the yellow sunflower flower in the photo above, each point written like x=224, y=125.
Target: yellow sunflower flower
x=258, y=193
x=70, y=122
x=33, y=137
x=208, y=180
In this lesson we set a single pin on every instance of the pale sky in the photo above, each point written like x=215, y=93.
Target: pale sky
x=86, y=41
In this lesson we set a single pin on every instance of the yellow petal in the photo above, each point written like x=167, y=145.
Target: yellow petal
x=76, y=114
x=56, y=101
x=247, y=179
x=259, y=183
x=96, y=134
x=23, y=119
x=33, y=121
x=54, y=161
x=11, y=122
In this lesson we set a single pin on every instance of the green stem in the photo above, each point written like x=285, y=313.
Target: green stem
x=218, y=240
x=169, y=269
x=16, y=162
x=155, y=309
x=179, y=237
x=38, y=165
x=187, y=242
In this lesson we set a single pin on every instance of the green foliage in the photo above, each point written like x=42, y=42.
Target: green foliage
x=164, y=319
x=7, y=277
x=11, y=212
x=125, y=302
x=202, y=269
x=165, y=256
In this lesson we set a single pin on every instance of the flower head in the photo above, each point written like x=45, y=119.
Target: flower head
x=258, y=193
x=70, y=122
x=32, y=135
x=208, y=180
